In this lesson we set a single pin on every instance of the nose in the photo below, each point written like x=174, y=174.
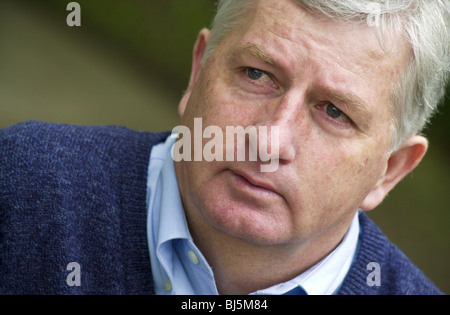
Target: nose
x=283, y=120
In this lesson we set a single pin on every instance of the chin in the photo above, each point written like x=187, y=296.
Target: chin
x=257, y=226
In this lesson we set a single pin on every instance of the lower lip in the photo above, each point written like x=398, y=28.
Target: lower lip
x=248, y=188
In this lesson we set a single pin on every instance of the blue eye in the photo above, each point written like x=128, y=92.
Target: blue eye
x=334, y=112
x=255, y=74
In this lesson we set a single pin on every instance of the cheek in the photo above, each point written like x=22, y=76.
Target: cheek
x=340, y=176
x=218, y=100
x=207, y=102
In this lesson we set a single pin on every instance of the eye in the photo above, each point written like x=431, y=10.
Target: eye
x=258, y=81
x=335, y=115
x=334, y=112
x=255, y=74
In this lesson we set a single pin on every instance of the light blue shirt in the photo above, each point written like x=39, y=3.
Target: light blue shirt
x=179, y=267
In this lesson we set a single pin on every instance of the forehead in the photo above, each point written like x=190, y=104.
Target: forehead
x=289, y=20
x=344, y=56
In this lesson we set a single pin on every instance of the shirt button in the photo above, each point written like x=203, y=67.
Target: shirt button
x=168, y=285
x=193, y=257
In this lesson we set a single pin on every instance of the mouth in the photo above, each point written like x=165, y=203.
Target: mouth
x=253, y=186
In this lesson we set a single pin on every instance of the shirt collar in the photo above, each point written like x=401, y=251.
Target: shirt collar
x=163, y=193
x=325, y=277
x=178, y=267
x=172, y=221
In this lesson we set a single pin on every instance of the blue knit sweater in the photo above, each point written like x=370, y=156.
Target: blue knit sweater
x=78, y=194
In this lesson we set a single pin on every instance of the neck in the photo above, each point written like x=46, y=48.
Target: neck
x=242, y=267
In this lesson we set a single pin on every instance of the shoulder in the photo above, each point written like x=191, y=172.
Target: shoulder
x=42, y=144
x=67, y=155
x=70, y=155
x=41, y=135
x=382, y=268
x=65, y=192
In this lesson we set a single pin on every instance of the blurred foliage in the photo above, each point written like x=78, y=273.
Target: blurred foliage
x=160, y=33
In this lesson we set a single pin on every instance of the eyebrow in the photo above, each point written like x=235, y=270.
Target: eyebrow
x=255, y=51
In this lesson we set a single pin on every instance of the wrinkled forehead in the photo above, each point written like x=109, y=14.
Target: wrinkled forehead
x=355, y=45
x=291, y=19
x=289, y=31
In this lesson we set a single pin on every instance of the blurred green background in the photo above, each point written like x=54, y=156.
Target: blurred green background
x=128, y=65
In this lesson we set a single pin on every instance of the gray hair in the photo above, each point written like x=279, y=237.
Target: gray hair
x=423, y=24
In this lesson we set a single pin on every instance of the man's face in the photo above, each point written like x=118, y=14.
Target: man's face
x=327, y=87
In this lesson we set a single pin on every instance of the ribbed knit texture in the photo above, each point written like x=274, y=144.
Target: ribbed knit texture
x=78, y=194
x=74, y=194
x=399, y=276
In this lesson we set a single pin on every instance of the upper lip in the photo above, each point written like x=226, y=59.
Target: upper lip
x=255, y=181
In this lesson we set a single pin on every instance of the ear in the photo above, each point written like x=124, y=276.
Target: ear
x=399, y=164
x=199, y=50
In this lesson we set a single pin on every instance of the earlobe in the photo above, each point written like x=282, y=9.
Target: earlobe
x=199, y=51
x=399, y=164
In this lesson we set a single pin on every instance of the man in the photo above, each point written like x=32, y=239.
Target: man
x=343, y=89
